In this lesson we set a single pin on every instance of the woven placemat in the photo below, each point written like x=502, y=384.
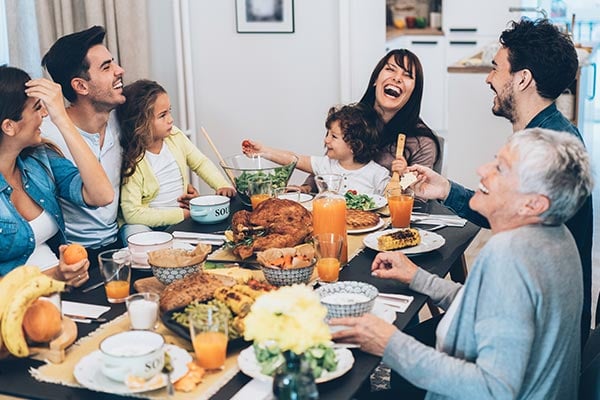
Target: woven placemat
x=63, y=373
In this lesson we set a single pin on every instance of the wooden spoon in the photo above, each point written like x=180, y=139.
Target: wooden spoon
x=394, y=182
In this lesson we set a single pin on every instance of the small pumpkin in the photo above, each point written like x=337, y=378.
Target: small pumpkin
x=42, y=321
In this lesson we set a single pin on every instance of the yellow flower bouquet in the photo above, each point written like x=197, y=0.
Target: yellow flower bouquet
x=291, y=318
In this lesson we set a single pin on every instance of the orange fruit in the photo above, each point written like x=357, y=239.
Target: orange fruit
x=74, y=253
x=42, y=321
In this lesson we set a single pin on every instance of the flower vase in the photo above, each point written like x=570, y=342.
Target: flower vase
x=294, y=379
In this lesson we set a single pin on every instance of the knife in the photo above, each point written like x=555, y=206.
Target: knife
x=90, y=288
x=84, y=319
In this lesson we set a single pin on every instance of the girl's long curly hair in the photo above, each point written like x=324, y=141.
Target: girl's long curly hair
x=135, y=118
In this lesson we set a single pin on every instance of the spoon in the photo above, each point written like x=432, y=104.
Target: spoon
x=167, y=369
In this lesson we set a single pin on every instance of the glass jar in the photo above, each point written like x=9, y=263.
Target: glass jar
x=294, y=380
x=329, y=210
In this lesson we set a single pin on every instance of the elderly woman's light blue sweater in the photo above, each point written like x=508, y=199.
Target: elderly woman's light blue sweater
x=515, y=334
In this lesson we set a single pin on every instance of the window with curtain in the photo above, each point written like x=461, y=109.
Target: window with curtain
x=32, y=26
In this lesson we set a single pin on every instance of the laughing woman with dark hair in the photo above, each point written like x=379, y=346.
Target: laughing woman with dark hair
x=395, y=91
x=33, y=175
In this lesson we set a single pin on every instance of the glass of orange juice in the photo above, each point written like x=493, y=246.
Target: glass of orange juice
x=115, y=268
x=259, y=190
x=209, y=338
x=328, y=249
x=400, y=203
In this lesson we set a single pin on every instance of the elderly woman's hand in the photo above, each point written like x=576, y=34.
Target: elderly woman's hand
x=371, y=333
x=399, y=165
x=50, y=94
x=75, y=274
x=394, y=265
x=430, y=185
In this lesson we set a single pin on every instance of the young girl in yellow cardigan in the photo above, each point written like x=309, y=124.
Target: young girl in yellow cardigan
x=156, y=157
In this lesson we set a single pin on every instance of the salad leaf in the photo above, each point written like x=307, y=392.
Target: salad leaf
x=357, y=201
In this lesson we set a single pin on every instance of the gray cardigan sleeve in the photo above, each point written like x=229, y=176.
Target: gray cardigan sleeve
x=441, y=291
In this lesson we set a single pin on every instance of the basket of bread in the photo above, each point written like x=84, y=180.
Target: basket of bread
x=288, y=266
x=169, y=265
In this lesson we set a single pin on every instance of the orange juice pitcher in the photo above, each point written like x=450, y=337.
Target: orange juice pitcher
x=329, y=210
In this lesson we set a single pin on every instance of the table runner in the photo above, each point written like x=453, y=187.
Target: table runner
x=63, y=373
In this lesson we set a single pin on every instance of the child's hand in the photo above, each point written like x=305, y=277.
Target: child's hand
x=184, y=199
x=249, y=147
x=399, y=165
x=226, y=191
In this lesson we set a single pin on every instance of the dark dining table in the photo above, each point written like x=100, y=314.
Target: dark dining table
x=15, y=379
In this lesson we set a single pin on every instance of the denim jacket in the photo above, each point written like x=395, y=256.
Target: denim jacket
x=46, y=176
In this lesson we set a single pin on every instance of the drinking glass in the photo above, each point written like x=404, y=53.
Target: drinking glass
x=259, y=190
x=115, y=268
x=209, y=338
x=328, y=249
x=400, y=203
x=142, y=309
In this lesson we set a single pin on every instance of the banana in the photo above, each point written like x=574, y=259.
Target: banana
x=12, y=320
x=11, y=283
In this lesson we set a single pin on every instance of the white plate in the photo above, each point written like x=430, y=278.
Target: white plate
x=304, y=197
x=380, y=310
x=248, y=365
x=176, y=245
x=370, y=229
x=429, y=241
x=379, y=201
x=87, y=372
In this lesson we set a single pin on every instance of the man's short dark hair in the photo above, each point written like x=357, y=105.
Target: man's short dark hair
x=66, y=59
x=541, y=48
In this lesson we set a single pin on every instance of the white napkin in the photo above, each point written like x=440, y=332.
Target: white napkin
x=438, y=219
x=255, y=389
x=398, y=302
x=195, y=237
x=83, y=310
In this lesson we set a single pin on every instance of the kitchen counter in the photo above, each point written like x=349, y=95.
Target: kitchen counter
x=391, y=32
x=475, y=63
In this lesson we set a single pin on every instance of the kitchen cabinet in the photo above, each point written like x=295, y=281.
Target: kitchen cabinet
x=431, y=52
x=477, y=17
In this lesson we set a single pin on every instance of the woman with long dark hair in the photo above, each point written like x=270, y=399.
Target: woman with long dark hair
x=395, y=91
x=33, y=175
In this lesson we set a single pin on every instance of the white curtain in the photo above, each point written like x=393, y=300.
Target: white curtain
x=34, y=25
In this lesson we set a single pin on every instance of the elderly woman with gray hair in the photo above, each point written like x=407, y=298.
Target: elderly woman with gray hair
x=512, y=330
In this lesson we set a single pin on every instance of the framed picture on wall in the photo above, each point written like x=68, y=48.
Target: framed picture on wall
x=264, y=16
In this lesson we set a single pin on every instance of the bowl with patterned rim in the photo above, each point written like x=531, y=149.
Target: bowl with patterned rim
x=289, y=276
x=347, y=298
x=169, y=274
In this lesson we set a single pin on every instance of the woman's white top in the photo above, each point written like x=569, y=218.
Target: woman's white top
x=44, y=227
x=442, y=328
x=169, y=177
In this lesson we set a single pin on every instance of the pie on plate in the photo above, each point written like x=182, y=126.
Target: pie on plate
x=359, y=219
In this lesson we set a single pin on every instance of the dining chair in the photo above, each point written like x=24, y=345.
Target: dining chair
x=589, y=383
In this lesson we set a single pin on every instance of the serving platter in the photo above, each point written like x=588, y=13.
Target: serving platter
x=88, y=373
x=429, y=241
x=249, y=366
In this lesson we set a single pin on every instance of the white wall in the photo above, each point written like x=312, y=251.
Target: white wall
x=275, y=88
